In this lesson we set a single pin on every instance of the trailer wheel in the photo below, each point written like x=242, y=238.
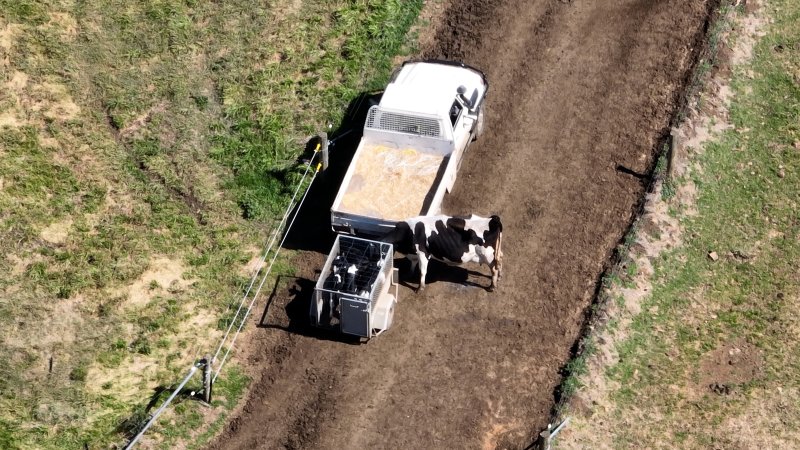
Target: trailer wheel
x=479, y=125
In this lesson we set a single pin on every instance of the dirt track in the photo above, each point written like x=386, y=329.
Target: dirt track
x=581, y=93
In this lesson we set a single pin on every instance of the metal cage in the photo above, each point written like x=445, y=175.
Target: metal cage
x=352, y=293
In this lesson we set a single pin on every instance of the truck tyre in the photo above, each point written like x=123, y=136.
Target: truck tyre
x=479, y=124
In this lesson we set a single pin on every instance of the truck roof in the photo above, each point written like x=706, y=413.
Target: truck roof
x=430, y=87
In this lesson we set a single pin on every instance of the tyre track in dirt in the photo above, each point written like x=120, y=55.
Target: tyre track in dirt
x=577, y=90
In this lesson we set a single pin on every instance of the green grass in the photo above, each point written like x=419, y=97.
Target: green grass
x=575, y=369
x=749, y=216
x=351, y=50
x=165, y=130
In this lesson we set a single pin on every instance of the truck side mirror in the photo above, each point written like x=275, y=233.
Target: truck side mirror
x=461, y=90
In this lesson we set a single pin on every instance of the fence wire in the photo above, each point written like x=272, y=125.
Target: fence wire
x=263, y=280
x=228, y=338
x=263, y=258
x=162, y=408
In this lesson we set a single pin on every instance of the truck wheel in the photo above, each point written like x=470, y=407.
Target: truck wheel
x=480, y=122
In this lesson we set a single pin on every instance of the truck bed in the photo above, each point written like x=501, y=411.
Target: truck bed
x=392, y=183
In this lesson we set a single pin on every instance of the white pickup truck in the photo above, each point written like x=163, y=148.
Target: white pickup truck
x=412, y=146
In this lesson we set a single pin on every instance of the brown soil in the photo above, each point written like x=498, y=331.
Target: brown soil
x=735, y=363
x=580, y=95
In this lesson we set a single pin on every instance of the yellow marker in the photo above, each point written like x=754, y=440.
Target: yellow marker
x=318, y=166
x=318, y=146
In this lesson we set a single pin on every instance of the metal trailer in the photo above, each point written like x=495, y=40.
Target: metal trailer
x=357, y=289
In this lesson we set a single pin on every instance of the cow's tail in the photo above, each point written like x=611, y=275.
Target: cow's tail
x=495, y=226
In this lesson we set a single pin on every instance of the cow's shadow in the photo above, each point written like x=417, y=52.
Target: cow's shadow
x=294, y=296
x=440, y=272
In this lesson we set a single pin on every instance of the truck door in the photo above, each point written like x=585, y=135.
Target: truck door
x=458, y=113
x=355, y=316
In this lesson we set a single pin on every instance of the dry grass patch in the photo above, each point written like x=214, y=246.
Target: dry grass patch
x=57, y=232
x=163, y=275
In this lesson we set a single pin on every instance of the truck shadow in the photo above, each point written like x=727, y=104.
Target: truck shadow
x=312, y=228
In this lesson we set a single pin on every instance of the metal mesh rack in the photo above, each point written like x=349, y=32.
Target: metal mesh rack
x=366, y=257
x=403, y=123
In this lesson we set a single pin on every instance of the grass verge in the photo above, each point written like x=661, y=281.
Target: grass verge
x=710, y=358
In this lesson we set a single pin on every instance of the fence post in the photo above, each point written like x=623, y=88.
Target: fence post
x=543, y=442
x=206, y=362
x=323, y=138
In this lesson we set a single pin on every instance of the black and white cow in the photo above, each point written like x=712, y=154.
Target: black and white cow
x=451, y=239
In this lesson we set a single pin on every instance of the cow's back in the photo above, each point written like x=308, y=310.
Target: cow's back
x=450, y=240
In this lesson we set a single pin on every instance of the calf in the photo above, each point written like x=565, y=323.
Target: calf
x=451, y=239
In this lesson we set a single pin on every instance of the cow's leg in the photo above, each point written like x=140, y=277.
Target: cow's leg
x=494, y=262
x=414, y=261
x=423, y=270
x=499, y=263
x=495, y=266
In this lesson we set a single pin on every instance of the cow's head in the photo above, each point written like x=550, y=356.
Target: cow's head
x=495, y=225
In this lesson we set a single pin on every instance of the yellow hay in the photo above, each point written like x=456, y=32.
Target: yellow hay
x=389, y=183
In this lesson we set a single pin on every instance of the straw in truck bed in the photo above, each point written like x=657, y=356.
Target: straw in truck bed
x=392, y=183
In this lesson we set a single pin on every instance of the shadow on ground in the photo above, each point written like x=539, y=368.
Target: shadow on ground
x=294, y=294
x=312, y=228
